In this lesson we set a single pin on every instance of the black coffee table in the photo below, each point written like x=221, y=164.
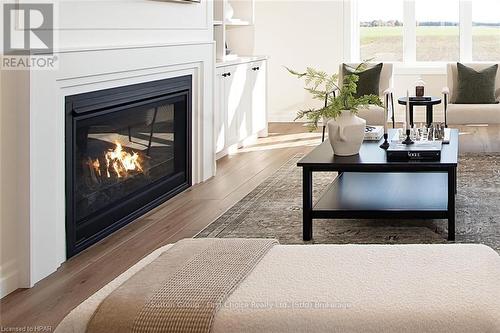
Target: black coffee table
x=370, y=187
x=428, y=105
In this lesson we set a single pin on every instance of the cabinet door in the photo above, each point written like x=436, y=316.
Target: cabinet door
x=246, y=76
x=220, y=112
x=236, y=95
x=259, y=97
x=231, y=114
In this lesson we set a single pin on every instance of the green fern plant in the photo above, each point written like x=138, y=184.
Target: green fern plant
x=321, y=85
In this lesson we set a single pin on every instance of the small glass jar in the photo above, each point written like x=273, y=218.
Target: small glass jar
x=420, y=88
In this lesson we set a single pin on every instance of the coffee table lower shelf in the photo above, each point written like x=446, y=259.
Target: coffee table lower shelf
x=388, y=195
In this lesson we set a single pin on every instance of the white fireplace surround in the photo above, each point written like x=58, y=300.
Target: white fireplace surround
x=44, y=249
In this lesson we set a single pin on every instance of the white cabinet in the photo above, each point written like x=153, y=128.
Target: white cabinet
x=259, y=98
x=219, y=114
x=240, y=104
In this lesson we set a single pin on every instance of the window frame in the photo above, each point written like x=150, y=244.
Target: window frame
x=352, y=41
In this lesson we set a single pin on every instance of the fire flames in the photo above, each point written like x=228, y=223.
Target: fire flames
x=118, y=162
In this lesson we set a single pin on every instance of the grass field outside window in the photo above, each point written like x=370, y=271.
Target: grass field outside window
x=445, y=30
x=433, y=43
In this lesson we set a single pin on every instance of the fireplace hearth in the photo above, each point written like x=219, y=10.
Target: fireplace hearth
x=128, y=149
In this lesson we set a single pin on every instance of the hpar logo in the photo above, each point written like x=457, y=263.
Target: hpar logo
x=28, y=36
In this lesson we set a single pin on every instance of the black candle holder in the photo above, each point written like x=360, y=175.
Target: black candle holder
x=385, y=144
x=408, y=140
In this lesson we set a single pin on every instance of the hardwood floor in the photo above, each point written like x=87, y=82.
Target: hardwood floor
x=183, y=216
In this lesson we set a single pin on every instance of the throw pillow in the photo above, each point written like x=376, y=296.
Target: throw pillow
x=369, y=79
x=476, y=87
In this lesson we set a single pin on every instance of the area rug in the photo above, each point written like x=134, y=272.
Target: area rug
x=274, y=209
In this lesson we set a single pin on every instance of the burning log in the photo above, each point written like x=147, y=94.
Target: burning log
x=121, y=162
x=94, y=170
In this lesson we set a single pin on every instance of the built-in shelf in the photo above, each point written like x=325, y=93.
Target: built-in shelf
x=232, y=21
x=237, y=23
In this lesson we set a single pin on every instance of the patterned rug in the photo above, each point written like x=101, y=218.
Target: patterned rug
x=274, y=209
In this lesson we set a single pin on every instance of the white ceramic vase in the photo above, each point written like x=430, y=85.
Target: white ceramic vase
x=346, y=133
x=228, y=11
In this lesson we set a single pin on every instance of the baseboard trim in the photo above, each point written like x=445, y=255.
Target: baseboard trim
x=9, y=280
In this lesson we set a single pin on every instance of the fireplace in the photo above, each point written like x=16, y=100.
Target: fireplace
x=128, y=149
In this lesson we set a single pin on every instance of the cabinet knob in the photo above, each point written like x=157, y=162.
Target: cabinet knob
x=255, y=68
x=226, y=74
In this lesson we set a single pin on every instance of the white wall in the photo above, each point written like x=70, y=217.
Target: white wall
x=434, y=83
x=295, y=34
x=82, y=27
x=298, y=34
x=14, y=207
x=93, y=23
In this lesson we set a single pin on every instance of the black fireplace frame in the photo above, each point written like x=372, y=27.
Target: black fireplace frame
x=113, y=100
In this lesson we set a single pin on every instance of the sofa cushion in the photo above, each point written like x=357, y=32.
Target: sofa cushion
x=373, y=114
x=476, y=87
x=369, y=79
x=463, y=114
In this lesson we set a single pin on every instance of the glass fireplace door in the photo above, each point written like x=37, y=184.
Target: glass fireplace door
x=126, y=157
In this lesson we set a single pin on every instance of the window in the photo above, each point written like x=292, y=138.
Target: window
x=437, y=30
x=423, y=30
x=485, y=30
x=381, y=31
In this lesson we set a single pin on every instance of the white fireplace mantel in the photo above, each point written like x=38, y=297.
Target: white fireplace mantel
x=42, y=180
